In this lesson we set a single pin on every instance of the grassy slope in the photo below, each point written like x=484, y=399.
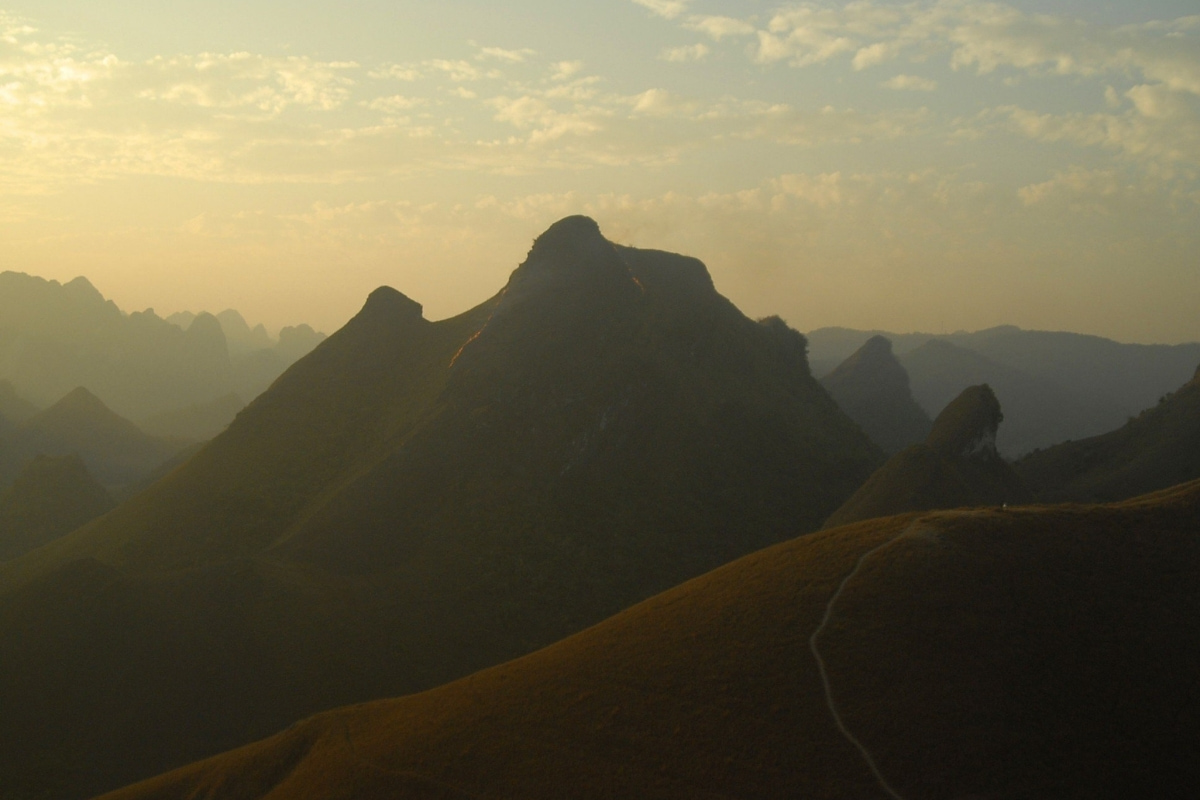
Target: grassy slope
x=50, y=498
x=380, y=521
x=1035, y=652
x=1158, y=448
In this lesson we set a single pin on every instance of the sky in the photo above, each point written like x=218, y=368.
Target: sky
x=934, y=165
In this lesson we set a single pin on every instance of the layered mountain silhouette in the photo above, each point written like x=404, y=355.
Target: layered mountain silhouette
x=873, y=389
x=1157, y=449
x=115, y=450
x=54, y=337
x=50, y=498
x=957, y=466
x=1054, y=386
x=1045, y=652
x=416, y=500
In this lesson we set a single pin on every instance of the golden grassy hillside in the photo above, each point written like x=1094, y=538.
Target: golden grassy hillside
x=1032, y=652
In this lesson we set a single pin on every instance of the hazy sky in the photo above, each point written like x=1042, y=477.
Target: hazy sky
x=924, y=165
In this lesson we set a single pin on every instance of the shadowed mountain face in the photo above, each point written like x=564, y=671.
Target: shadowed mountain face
x=414, y=501
x=1054, y=386
x=872, y=388
x=958, y=466
x=50, y=498
x=115, y=450
x=1157, y=449
x=1044, y=652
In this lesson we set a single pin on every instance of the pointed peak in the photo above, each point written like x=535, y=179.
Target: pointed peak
x=387, y=304
x=877, y=344
x=80, y=396
x=968, y=426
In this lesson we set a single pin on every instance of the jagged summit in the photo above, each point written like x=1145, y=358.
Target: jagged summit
x=967, y=427
x=873, y=388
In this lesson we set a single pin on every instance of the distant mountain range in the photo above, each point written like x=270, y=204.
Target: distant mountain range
x=114, y=450
x=415, y=500
x=1158, y=448
x=1053, y=386
x=55, y=337
x=1044, y=652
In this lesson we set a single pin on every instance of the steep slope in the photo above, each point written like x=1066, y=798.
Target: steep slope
x=115, y=450
x=957, y=466
x=50, y=498
x=416, y=500
x=1159, y=448
x=1045, y=652
x=872, y=387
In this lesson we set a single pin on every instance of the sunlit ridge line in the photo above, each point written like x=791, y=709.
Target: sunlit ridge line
x=482, y=328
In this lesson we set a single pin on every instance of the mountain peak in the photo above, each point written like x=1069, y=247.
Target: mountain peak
x=873, y=388
x=574, y=244
x=80, y=398
x=968, y=426
x=387, y=303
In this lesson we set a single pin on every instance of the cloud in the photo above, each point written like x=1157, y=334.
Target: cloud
x=667, y=9
x=507, y=56
x=693, y=52
x=910, y=83
x=718, y=28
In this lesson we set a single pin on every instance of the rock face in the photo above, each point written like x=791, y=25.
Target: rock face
x=872, y=387
x=50, y=498
x=957, y=466
x=416, y=500
x=953, y=657
x=1157, y=449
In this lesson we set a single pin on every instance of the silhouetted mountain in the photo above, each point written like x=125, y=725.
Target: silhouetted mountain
x=297, y=341
x=54, y=337
x=1157, y=449
x=1037, y=410
x=415, y=500
x=1045, y=652
x=244, y=339
x=115, y=450
x=1092, y=384
x=199, y=422
x=957, y=466
x=50, y=498
x=872, y=388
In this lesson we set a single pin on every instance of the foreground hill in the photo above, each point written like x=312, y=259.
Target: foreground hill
x=50, y=498
x=1054, y=385
x=1158, y=448
x=417, y=500
x=115, y=450
x=957, y=466
x=1040, y=652
x=872, y=387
